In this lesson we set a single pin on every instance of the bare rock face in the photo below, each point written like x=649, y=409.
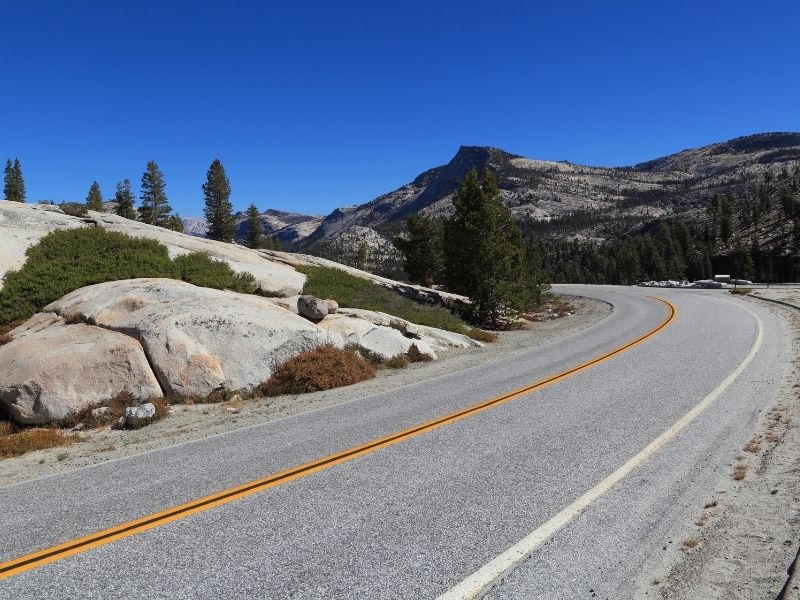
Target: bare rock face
x=312, y=308
x=197, y=339
x=57, y=369
x=383, y=341
x=438, y=339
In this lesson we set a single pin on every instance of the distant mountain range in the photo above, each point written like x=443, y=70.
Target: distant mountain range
x=546, y=191
x=288, y=227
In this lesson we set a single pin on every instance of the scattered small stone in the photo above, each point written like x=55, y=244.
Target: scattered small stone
x=139, y=415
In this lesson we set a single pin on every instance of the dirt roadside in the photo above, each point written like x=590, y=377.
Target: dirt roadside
x=741, y=543
x=193, y=422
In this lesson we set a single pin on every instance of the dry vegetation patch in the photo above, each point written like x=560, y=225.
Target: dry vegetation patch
x=15, y=441
x=482, y=336
x=322, y=368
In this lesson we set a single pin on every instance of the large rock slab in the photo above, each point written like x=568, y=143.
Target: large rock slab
x=51, y=369
x=438, y=339
x=197, y=339
x=385, y=342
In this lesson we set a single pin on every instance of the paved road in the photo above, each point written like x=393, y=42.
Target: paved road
x=414, y=519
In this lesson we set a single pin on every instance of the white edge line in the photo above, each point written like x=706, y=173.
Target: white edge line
x=482, y=580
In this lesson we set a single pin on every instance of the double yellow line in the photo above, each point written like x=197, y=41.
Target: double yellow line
x=105, y=536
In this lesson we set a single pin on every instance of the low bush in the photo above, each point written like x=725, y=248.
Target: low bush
x=200, y=269
x=414, y=355
x=322, y=368
x=401, y=361
x=355, y=292
x=481, y=335
x=66, y=260
x=74, y=209
x=15, y=441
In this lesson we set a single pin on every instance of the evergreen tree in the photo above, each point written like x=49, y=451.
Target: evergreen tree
x=725, y=219
x=422, y=249
x=218, y=210
x=20, y=182
x=484, y=259
x=174, y=222
x=125, y=200
x=155, y=209
x=255, y=231
x=94, y=201
x=13, y=183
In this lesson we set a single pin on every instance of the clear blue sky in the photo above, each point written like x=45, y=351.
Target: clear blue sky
x=313, y=105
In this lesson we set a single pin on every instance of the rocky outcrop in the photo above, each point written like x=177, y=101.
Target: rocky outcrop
x=23, y=225
x=197, y=339
x=51, y=369
x=384, y=342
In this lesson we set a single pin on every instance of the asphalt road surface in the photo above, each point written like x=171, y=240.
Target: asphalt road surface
x=416, y=518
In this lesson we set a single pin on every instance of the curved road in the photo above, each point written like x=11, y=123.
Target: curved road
x=414, y=519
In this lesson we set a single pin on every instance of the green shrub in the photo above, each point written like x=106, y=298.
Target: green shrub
x=200, y=269
x=66, y=260
x=355, y=292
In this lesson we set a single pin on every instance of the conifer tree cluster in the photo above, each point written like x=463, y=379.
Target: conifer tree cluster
x=13, y=183
x=480, y=252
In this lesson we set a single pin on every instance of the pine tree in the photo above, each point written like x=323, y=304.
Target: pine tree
x=155, y=209
x=422, y=249
x=20, y=182
x=94, y=201
x=8, y=181
x=484, y=258
x=125, y=200
x=255, y=231
x=13, y=183
x=218, y=210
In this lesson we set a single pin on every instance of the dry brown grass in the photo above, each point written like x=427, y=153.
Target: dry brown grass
x=753, y=446
x=703, y=520
x=320, y=369
x=711, y=504
x=15, y=441
x=690, y=543
x=5, y=338
x=401, y=361
x=740, y=291
x=740, y=472
x=480, y=335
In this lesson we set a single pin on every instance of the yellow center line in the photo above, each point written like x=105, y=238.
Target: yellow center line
x=105, y=536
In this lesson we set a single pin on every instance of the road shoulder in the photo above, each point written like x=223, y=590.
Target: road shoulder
x=741, y=542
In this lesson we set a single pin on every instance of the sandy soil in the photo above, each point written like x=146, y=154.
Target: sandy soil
x=192, y=422
x=748, y=533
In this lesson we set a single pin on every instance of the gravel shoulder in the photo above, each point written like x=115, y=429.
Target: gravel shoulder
x=742, y=542
x=193, y=422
